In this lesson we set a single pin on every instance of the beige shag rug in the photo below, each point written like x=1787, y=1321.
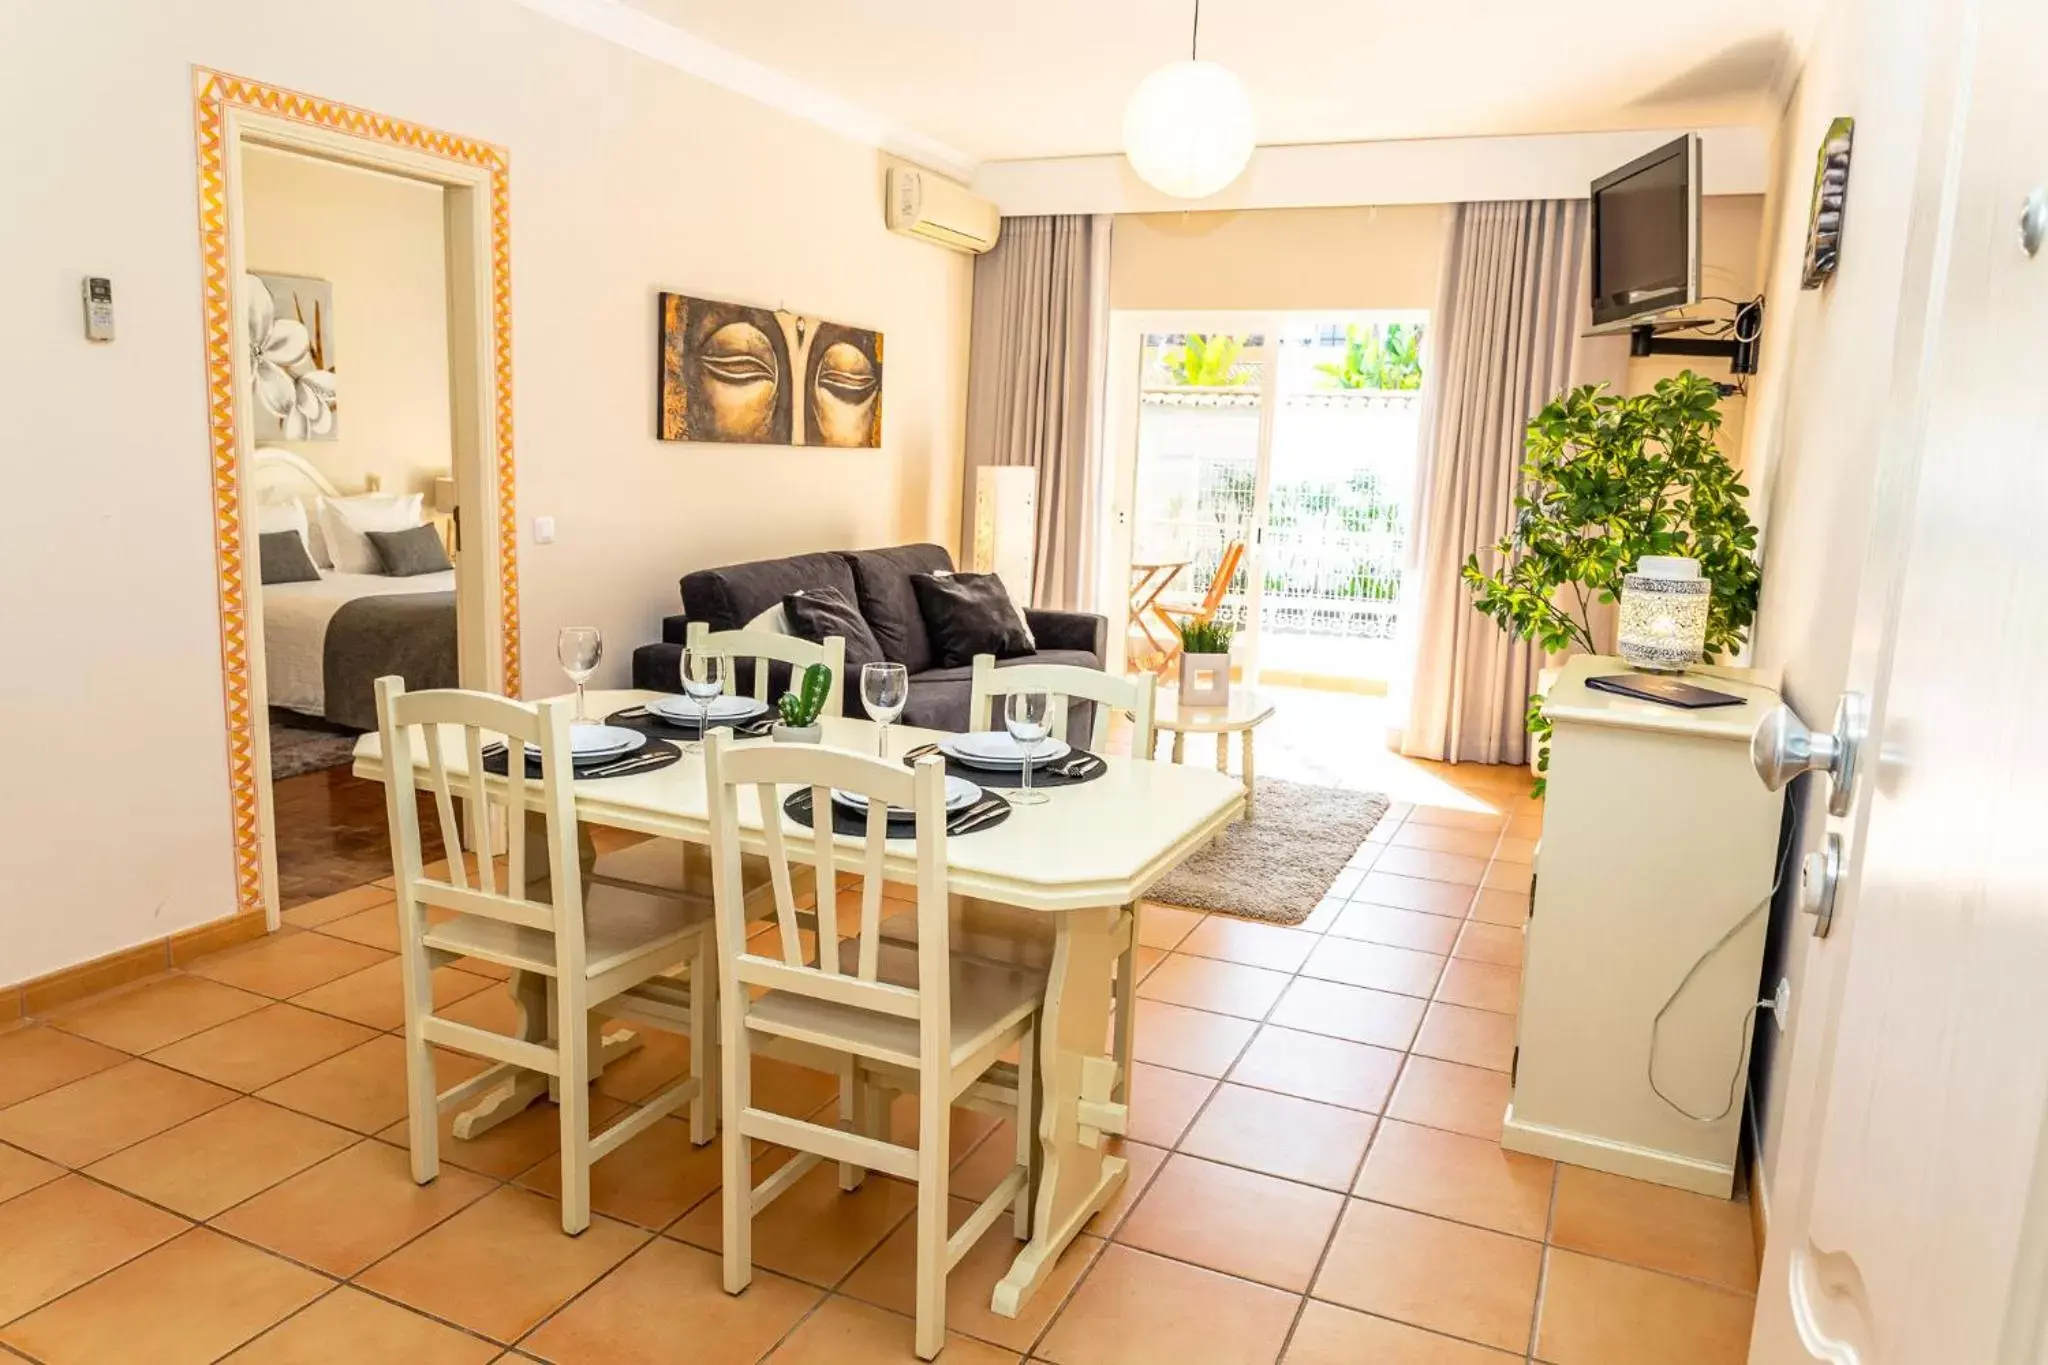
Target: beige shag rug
x=1278, y=865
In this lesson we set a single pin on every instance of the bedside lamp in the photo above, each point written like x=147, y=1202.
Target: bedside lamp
x=1664, y=614
x=445, y=504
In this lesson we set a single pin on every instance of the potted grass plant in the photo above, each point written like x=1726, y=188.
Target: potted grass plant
x=801, y=706
x=1205, y=663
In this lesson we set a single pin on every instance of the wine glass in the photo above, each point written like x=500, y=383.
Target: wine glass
x=1028, y=718
x=579, y=649
x=703, y=680
x=884, y=688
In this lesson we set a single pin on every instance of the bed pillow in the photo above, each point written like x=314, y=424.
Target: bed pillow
x=968, y=614
x=411, y=552
x=345, y=524
x=289, y=515
x=285, y=558
x=816, y=613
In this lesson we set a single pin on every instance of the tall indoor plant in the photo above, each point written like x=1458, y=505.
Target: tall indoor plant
x=1605, y=481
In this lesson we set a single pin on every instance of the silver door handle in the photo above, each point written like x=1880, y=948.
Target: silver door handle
x=1783, y=747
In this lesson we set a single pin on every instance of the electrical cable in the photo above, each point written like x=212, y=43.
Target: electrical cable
x=1748, y=1016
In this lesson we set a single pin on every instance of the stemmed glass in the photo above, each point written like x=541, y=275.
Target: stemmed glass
x=884, y=688
x=703, y=680
x=579, y=649
x=1028, y=718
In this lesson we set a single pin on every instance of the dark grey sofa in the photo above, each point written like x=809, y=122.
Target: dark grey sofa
x=878, y=581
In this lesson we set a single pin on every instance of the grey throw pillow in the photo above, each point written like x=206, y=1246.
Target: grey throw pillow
x=968, y=614
x=284, y=558
x=411, y=552
x=816, y=613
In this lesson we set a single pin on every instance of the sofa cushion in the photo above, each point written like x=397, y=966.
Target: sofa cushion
x=821, y=612
x=881, y=580
x=968, y=614
x=728, y=598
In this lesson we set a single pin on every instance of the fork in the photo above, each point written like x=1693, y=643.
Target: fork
x=620, y=767
x=967, y=819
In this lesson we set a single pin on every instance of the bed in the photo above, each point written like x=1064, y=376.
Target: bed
x=326, y=642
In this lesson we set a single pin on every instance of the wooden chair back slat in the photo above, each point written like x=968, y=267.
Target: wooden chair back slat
x=448, y=720
x=765, y=646
x=1137, y=697
x=444, y=804
x=730, y=768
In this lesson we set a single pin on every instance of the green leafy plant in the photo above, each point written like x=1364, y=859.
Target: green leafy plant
x=1607, y=480
x=1205, y=637
x=1206, y=362
x=1377, y=359
x=801, y=706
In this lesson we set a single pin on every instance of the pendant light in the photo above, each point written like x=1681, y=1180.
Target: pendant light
x=1188, y=129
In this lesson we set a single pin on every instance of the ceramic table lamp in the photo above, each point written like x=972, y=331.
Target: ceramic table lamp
x=1664, y=614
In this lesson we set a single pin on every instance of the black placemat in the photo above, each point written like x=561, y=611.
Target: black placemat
x=669, y=754
x=646, y=722
x=902, y=824
x=1043, y=778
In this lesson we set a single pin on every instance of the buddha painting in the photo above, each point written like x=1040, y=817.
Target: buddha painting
x=734, y=373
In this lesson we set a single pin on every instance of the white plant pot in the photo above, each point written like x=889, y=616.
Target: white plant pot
x=796, y=734
x=1205, y=680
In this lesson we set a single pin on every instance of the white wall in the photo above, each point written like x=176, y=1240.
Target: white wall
x=380, y=241
x=626, y=177
x=1812, y=425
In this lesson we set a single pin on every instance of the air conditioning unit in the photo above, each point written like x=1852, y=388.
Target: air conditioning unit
x=925, y=206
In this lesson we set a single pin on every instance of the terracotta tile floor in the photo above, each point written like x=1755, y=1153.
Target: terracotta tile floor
x=209, y=1166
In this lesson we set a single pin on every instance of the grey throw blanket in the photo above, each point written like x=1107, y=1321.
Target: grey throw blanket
x=410, y=634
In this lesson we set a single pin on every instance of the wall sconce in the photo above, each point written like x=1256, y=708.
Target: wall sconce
x=1664, y=614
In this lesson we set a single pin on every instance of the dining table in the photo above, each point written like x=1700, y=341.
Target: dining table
x=1066, y=877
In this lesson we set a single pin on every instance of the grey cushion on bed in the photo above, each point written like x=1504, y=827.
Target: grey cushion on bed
x=284, y=558
x=411, y=552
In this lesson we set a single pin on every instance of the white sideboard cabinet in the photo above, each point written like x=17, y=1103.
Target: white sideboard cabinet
x=1658, y=841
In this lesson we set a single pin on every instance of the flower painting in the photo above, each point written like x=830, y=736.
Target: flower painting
x=730, y=372
x=291, y=357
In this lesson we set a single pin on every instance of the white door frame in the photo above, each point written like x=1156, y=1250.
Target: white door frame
x=472, y=178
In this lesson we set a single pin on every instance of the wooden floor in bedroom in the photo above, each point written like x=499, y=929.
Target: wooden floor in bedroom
x=331, y=834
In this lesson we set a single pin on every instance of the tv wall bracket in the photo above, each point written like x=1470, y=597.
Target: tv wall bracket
x=1738, y=341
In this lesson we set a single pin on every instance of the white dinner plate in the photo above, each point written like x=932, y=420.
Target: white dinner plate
x=684, y=710
x=588, y=743
x=996, y=751
x=960, y=794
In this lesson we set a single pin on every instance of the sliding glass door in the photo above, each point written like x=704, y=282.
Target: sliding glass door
x=1283, y=446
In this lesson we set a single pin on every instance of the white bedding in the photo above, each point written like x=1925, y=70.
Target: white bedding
x=295, y=617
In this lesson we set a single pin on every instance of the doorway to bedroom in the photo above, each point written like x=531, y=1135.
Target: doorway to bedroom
x=365, y=402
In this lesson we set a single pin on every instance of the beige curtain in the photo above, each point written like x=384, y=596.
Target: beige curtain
x=1031, y=366
x=1508, y=311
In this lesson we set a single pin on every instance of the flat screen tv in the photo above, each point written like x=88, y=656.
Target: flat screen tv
x=1646, y=236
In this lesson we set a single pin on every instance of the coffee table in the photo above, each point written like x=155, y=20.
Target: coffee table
x=1246, y=709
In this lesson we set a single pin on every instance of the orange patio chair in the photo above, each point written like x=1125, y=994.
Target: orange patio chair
x=1174, y=615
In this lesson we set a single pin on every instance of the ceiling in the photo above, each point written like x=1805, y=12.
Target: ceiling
x=993, y=81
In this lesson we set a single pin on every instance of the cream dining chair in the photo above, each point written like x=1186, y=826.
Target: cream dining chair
x=603, y=951
x=1136, y=698
x=661, y=865
x=915, y=1011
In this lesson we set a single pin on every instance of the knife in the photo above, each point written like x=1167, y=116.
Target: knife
x=620, y=767
x=919, y=752
x=975, y=815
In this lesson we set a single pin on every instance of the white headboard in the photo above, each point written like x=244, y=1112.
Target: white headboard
x=278, y=475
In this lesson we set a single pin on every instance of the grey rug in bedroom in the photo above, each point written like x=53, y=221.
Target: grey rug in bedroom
x=1277, y=866
x=300, y=744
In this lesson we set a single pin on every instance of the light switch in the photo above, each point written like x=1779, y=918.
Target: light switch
x=543, y=530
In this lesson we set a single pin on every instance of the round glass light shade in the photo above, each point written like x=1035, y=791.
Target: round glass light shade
x=1663, y=627
x=1188, y=129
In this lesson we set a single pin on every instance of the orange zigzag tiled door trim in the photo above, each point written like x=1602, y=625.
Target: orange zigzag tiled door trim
x=215, y=94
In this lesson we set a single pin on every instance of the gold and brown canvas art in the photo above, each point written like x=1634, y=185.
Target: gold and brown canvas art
x=731, y=372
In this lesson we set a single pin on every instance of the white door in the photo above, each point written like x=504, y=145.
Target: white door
x=1910, y=1218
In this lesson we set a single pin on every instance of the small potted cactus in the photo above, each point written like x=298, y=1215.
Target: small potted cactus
x=801, y=706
